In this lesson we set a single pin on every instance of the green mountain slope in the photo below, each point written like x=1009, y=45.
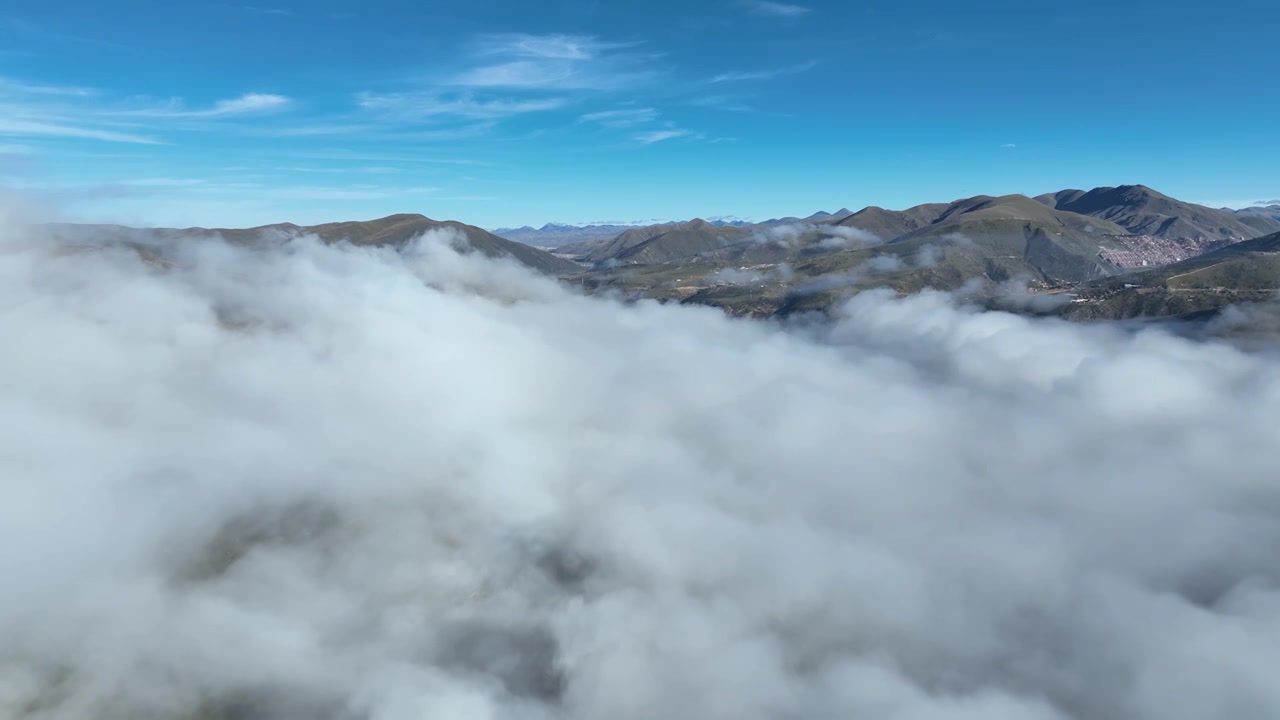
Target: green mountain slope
x=665, y=243
x=890, y=224
x=1019, y=232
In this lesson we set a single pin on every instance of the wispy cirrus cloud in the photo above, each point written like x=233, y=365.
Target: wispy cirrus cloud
x=247, y=104
x=559, y=62
x=628, y=117
x=523, y=74
x=657, y=136
x=749, y=75
x=358, y=192
x=47, y=36
x=775, y=9
x=727, y=103
x=424, y=105
x=45, y=128
x=201, y=187
x=277, y=11
x=38, y=109
x=557, y=47
x=9, y=86
x=321, y=129
x=346, y=155
x=367, y=170
x=164, y=182
x=387, y=128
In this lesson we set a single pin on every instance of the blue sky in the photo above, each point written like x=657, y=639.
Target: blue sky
x=506, y=112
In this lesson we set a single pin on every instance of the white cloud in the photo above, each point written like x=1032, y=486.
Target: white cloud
x=629, y=117
x=417, y=106
x=727, y=103
x=555, y=47
x=346, y=155
x=393, y=125
x=248, y=104
x=314, y=130
x=750, y=75
x=565, y=62
x=367, y=170
x=40, y=128
x=656, y=136
x=776, y=9
x=1009, y=146
x=921, y=258
x=839, y=235
x=164, y=182
x=279, y=12
x=328, y=193
x=521, y=74
x=15, y=87
x=340, y=482
x=353, y=192
x=741, y=76
x=827, y=236
x=202, y=188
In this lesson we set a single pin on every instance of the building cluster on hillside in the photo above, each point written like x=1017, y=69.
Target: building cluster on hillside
x=1150, y=251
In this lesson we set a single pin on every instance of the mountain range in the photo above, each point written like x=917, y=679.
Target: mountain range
x=393, y=231
x=554, y=235
x=579, y=237
x=1110, y=252
x=1143, y=211
x=1051, y=243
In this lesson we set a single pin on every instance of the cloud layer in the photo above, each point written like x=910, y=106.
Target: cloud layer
x=328, y=482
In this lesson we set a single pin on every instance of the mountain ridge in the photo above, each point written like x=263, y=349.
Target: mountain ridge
x=1143, y=211
x=392, y=230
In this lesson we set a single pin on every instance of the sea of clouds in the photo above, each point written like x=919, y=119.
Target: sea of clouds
x=336, y=483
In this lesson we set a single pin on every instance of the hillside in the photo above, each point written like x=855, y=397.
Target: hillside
x=1101, y=253
x=890, y=224
x=691, y=239
x=1143, y=211
x=1271, y=211
x=696, y=234
x=1262, y=217
x=1057, y=245
x=984, y=240
x=1248, y=271
x=394, y=230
